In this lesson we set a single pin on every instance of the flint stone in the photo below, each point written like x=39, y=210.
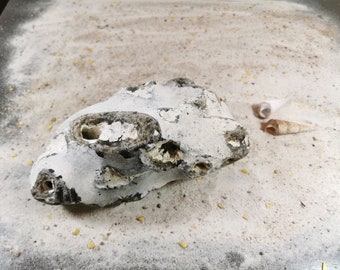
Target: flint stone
x=138, y=140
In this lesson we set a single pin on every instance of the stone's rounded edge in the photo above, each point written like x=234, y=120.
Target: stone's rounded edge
x=51, y=189
x=176, y=131
x=238, y=142
x=57, y=147
x=181, y=82
x=133, y=89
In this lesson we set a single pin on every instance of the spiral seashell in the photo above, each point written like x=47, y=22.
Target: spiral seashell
x=264, y=109
x=281, y=127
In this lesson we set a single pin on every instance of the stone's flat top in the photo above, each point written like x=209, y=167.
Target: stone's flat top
x=277, y=208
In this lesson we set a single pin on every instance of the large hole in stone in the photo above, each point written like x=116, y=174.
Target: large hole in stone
x=90, y=133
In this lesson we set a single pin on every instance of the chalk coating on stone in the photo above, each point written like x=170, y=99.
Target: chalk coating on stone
x=138, y=140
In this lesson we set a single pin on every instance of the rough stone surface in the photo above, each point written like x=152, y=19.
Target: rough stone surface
x=138, y=140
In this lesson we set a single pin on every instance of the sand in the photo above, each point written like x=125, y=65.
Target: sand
x=278, y=208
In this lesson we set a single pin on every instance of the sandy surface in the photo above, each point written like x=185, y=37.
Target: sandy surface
x=282, y=214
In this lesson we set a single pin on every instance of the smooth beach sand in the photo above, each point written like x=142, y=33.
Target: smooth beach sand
x=278, y=208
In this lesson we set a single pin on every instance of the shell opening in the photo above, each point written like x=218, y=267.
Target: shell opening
x=271, y=130
x=265, y=112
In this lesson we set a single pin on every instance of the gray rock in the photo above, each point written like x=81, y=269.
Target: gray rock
x=138, y=140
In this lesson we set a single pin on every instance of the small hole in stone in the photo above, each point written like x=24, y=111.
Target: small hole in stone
x=132, y=88
x=127, y=154
x=48, y=185
x=45, y=186
x=203, y=166
x=90, y=133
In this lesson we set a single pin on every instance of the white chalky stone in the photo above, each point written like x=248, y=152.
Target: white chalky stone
x=138, y=140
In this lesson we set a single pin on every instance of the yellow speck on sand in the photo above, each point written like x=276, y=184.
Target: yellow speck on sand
x=14, y=155
x=30, y=162
x=245, y=217
x=182, y=244
x=10, y=89
x=140, y=218
x=91, y=245
x=76, y=232
x=20, y=123
x=191, y=18
x=53, y=119
x=91, y=61
x=245, y=171
x=199, y=180
x=49, y=217
x=269, y=205
x=49, y=127
x=220, y=205
x=276, y=171
x=89, y=49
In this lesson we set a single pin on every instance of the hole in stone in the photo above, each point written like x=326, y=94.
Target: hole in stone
x=203, y=166
x=127, y=154
x=171, y=147
x=132, y=88
x=90, y=133
x=48, y=185
x=45, y=185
